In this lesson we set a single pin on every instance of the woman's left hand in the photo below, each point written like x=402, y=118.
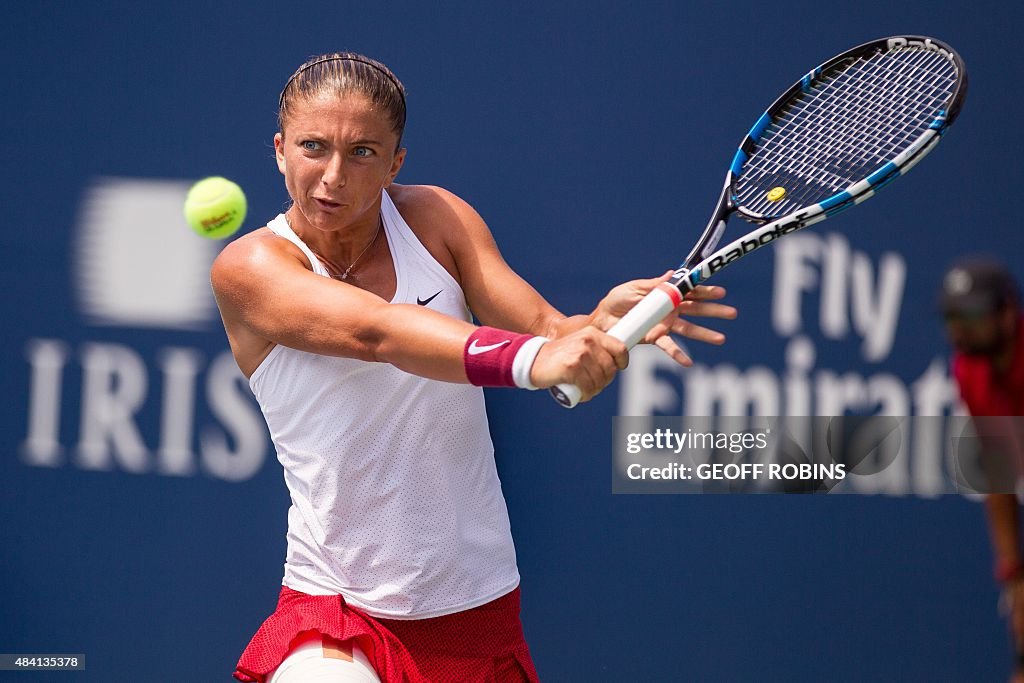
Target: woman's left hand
x=698, y=303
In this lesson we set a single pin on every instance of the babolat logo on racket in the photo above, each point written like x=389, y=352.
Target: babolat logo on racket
x=784, y=227
x=926, y=44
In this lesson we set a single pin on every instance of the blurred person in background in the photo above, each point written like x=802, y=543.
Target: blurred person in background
x=980, y=303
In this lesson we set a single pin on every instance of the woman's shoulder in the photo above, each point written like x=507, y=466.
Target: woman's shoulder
x=429, y=204
x=258, y=250
x=255, y=242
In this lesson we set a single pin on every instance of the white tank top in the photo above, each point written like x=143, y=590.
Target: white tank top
x=396, y=503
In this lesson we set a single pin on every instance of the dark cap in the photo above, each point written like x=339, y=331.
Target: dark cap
x=977, y=287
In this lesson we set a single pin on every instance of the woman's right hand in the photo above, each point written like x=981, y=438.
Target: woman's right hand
x=587, y=358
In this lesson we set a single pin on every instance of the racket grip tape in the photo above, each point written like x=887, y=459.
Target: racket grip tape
x=630, y=329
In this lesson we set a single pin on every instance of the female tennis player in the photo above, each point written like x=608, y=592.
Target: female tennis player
x=350, y=315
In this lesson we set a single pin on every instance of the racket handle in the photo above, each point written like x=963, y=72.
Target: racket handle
x=630, y=329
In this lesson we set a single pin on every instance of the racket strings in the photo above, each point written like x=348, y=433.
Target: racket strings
x=874, y=136
x=872, y=141
x=861, y=114
x=893, y=105
x=815, y=160
x=873, y=131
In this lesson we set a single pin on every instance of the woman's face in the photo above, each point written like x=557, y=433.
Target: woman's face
x=337, y=154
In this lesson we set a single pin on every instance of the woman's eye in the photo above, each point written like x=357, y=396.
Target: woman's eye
x=311, y=145
x=363, y=151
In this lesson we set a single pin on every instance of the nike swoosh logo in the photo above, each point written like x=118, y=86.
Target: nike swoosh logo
x=475, y=349
x=424, y=302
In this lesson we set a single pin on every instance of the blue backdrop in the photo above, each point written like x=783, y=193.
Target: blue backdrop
x=143, y=512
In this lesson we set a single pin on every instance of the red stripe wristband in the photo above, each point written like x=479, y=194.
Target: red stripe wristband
x=490, y=358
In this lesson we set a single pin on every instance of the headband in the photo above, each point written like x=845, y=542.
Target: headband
x=331, y=58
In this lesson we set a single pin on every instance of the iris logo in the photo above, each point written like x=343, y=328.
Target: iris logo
x=143, y=407
x=137, y=264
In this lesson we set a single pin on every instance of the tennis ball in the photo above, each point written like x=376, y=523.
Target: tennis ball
x=215, y=207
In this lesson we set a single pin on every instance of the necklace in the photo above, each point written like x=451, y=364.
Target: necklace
x=344, y=276
x=327, y=262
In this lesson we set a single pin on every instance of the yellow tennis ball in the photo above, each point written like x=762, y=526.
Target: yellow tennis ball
x=215, y=207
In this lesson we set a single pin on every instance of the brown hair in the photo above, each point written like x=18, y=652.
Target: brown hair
x=342, y=73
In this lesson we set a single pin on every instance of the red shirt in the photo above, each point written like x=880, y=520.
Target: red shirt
x=987, y=393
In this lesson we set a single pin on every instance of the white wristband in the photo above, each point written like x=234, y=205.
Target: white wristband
x=523, y=362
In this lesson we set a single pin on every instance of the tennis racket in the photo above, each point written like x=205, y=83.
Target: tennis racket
x=838, y=135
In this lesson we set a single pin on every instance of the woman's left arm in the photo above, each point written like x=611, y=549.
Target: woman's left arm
x=499, y=297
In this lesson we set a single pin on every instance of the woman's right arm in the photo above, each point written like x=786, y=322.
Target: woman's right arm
x=268, y=296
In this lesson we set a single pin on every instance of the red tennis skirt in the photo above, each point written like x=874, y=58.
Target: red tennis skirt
x=484, y=644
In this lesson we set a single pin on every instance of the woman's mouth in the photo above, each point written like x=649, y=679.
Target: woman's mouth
x=326, y=204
